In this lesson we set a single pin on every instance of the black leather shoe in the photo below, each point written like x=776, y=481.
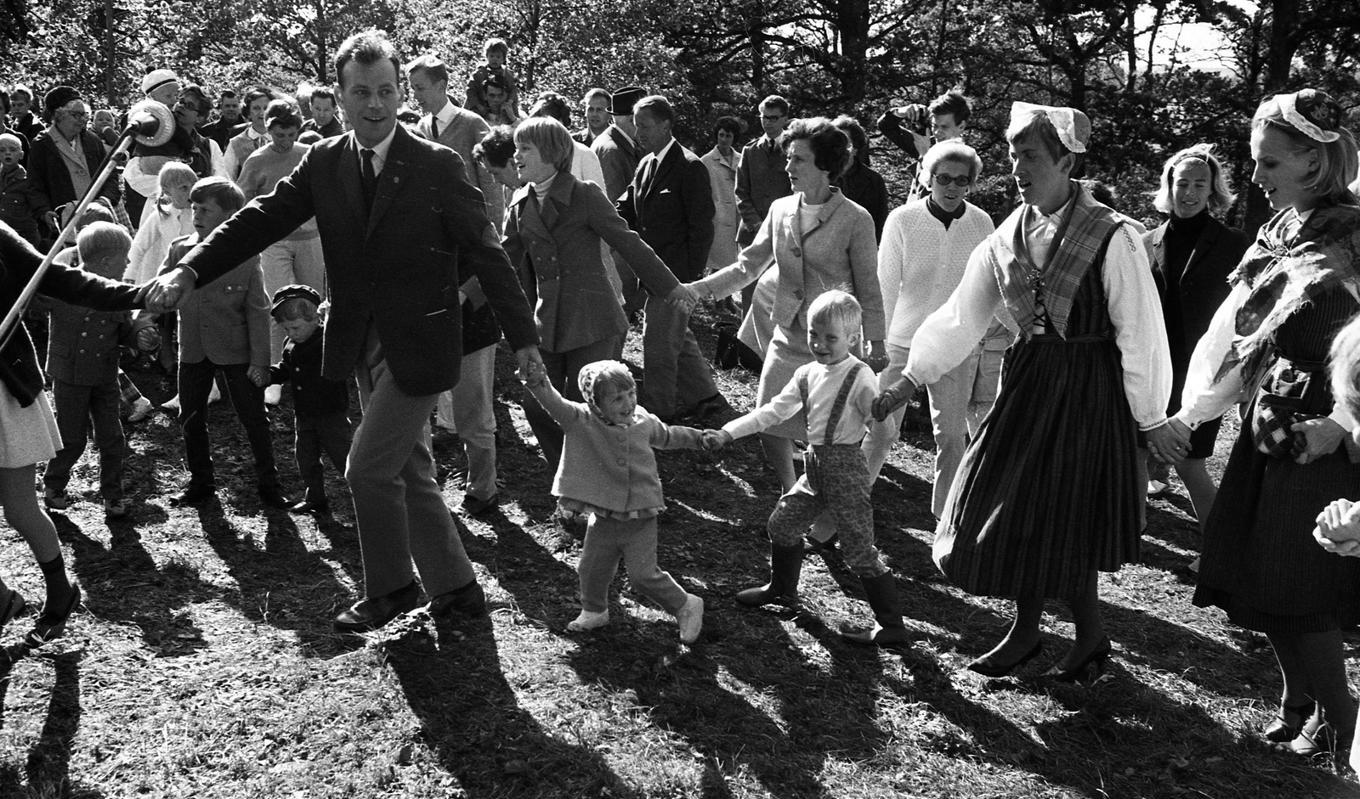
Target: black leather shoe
x=374, y=612
x=273, y=498
x=469, y=600
x=1088, y=669
x=990, y=668
x=51, y=622
x=314, y=508
x=194, y=495
x=473, y=506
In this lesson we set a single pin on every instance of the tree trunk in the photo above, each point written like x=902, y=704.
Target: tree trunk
x=852, y=17
x=1281, y=43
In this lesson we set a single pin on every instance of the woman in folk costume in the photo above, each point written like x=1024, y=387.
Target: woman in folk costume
x=1296, y=286
x=1047, y=494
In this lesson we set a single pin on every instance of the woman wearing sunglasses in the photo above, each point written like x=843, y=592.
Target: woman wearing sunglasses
x=926, y=244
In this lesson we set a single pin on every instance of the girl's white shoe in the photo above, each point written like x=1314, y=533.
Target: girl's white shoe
x=588, y=620
x=691, y=618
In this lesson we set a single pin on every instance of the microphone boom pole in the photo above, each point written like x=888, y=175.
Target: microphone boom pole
x=164, y=130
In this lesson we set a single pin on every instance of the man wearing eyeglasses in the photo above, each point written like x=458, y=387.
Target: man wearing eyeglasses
x=760, y=174
x=921, y=260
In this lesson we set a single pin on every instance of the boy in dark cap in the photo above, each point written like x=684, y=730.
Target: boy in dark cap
x=320, y=405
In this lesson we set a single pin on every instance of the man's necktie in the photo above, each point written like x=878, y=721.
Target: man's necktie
x=368, y=179
x=434, y=128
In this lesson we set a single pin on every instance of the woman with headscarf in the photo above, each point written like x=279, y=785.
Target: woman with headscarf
x=1047, y=495
x=1294, y=289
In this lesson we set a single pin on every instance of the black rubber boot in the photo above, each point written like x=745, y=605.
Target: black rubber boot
x=887, y=606
x=785, y=565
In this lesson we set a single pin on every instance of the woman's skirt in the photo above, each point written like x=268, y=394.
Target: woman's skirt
x=27, y=435
x=1047, y=492
x=788, y=351
x=1260, y=562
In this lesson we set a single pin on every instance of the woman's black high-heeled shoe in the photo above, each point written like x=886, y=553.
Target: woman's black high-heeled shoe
x=1088, y=669
x=51, y=623
x=989, y=668
x=1288, y=722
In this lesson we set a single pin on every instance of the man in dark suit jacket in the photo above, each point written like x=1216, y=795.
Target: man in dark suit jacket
x=401, y=228
x=670, y=204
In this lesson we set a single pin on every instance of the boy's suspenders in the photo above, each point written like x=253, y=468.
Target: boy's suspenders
x=838, y=407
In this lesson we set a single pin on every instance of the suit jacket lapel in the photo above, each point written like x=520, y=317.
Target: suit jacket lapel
x=353, y=193
x=1204, y=245
x=664, y=169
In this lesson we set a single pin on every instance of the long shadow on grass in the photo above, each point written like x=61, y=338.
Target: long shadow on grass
x=471, y=718
x=282, y=584
x=47, y=769
x=122, y=582
x=1123, y=738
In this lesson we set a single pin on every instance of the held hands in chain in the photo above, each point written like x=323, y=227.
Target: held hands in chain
x=714, y=440
x=169, y=291
x=892, y=398
x=1170, y=442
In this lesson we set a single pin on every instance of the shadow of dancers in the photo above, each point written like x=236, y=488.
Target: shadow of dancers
x=472, y=719
x=47, y=769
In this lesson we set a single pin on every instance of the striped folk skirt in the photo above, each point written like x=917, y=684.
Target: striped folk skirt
x=1048, y=490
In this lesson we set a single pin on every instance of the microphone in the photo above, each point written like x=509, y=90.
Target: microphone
x=151, y=123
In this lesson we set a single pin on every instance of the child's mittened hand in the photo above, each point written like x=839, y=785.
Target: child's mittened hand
x=714, y=440
x=258, y=375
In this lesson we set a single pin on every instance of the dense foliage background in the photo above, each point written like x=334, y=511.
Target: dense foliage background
x=720, y=56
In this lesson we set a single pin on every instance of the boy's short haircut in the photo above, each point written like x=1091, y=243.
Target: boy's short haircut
x=366, y=47
x=176, y=173
x=496, y=147
x=776, y=102
x=592, y=94
x=495, y=44
x=283, y=114
x=495, y=82
x=552, y=104
x=225, y=94
x=839, y=308
x=953, y=103
x=433, y=67
x=18, y=89
x=11, y=139
x=218, y=190
x=99, y=240
x=96, y=211
x=551, y=138
x=323, y=93
x=953, y=151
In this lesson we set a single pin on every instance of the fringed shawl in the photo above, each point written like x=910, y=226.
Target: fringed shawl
x=1290, y=264
x=1031, y=290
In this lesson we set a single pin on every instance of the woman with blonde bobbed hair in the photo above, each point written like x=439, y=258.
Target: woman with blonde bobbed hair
x=1295, y=288
x=553, y=230
x=1192, y=254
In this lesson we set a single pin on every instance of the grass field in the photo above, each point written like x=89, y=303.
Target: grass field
x=204, y=663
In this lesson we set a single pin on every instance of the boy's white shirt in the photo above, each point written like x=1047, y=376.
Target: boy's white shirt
x=824, y=383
